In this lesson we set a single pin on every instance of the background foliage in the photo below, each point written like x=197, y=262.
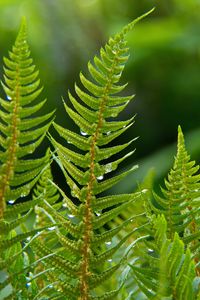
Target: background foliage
x=163, y=69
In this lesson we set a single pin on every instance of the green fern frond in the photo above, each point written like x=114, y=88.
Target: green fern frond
x=94, y=107
x=166, y=269
x=20, y=133
x=178, y=203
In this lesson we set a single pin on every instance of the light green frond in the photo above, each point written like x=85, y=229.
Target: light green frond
x=95, y=104
x=20, y=133
x=169, y=269
x=182, y=190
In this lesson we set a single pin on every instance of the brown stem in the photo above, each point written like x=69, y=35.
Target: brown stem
x=8, y=168
x=85, y=270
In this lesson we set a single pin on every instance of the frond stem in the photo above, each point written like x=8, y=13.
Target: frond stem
x=8, y=168
x=85, y=270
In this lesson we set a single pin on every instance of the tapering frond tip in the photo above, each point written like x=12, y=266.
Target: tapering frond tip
x=130, y=26
x=22, y=29
x=180, y=136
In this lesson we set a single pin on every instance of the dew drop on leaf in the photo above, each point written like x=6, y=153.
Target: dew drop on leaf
x=108, y=243
x=108, y=168
x=98, y=213
x=100, y=177
x=150, y=250
x=24, y=194
x=110, y=260
x=28, y=284
x=11, y=202
x=74, y=194
x=70, y=216
x=51, y=228
x=83, y=133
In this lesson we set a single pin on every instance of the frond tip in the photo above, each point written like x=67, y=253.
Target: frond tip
x=179, y=196
x=130, y=26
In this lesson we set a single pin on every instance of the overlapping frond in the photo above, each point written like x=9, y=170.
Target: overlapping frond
x=166, y=270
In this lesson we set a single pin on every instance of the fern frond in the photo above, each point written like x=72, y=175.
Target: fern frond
x=93, y=108
x=179, y=202
x=20, y=133
x=166, y=270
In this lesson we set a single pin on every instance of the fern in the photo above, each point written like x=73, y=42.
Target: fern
x=168, y=271
x=20, y=133
x=90, y=244
x=85, y=173
x=180, y=203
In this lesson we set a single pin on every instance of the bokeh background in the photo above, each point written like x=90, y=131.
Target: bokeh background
x=163, y=70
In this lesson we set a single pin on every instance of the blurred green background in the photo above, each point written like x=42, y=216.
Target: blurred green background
x=163, y=70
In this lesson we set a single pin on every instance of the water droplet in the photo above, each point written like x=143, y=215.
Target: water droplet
x=108, y=243
x=51, y=228
x=23, y=195
x=28, y=239
x=98, y=213
x=109, y=132
x=8, y=97
x=100, y=177
x=83, y=133
x=144, y=190
x=74, y=194
x=70, y=216
x=75, y=191
x=108, y=168
x=64, y=205
x=11, y=201
x=28, y=284
x=50, y=286
x=150, y=250
x=110, y=260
